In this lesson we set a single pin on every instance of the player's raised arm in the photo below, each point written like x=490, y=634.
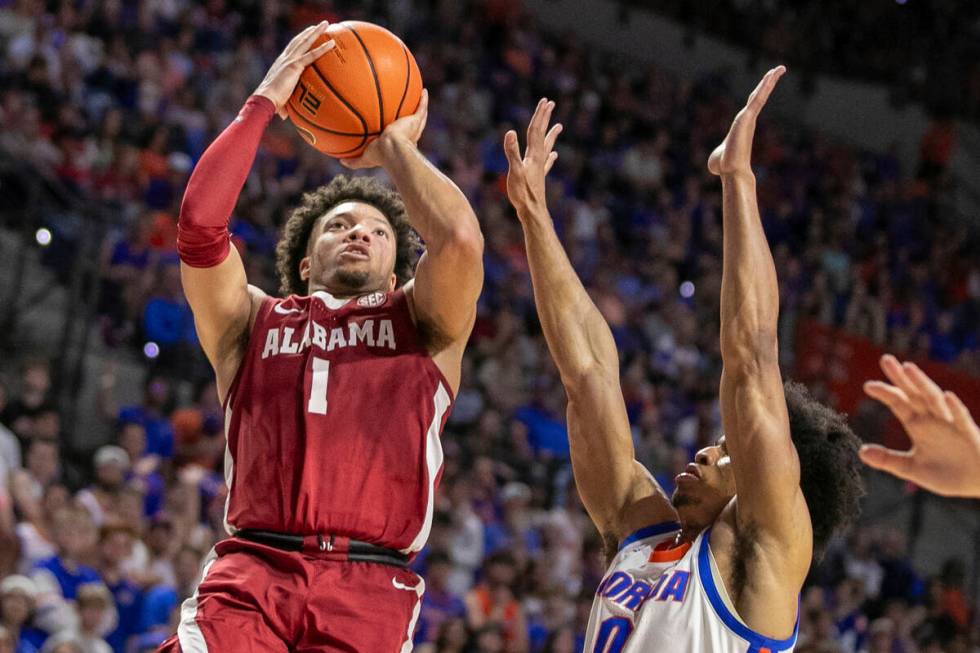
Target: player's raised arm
x=211, y=270
x=619, y=494
x=754, y=414
x=449, y=275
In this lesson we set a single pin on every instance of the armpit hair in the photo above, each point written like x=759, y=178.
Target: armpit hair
x=432, y=338
x=610, y=546
x=745, y=550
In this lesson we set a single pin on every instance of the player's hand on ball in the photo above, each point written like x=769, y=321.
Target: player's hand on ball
x=734, y=156
x=525, y=176
x=407, y=129
x=283, y=76
x=945, y=453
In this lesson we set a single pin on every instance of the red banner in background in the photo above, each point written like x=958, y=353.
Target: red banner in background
x=841, y=363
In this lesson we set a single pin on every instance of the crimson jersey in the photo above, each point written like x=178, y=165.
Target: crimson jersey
x=333, y=422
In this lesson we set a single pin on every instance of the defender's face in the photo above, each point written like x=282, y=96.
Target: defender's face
x=352, y=250
x=706, y=486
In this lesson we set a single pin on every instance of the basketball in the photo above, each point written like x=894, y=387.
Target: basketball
x=345, y=98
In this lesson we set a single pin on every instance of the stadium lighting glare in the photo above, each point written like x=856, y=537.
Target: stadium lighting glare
x=43, y=237
x=687, y=290
x=151, y=350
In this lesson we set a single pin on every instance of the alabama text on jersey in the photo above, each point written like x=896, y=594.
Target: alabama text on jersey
x=333, y=422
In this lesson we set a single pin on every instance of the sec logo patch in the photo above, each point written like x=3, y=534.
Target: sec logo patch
x=374, y=299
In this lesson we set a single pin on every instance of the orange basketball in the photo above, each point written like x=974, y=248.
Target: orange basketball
x=345, y=98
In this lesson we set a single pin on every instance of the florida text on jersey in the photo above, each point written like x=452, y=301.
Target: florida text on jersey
x=660, y=597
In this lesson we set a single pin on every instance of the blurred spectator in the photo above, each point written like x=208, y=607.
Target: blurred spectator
x=112, y=463
x=160, y=601
x=96, y=617
x=439, y=603
x=59, y=577
x=492, y=603
x=22, y=411
x=151, y=413
x=18, y=597
x=115, y=547
x=116, y=101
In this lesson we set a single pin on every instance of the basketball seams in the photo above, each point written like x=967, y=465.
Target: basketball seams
x=319, y=73
x=334, y=132
x=408, y=78
x=374, y=74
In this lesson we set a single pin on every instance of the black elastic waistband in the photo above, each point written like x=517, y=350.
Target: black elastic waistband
x=357, y=551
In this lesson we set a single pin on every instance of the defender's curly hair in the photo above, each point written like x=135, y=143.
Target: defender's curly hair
x=294, y=244
x=830, y=471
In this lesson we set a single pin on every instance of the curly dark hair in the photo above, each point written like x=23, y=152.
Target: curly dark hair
x=830, y=471
x=294, y=244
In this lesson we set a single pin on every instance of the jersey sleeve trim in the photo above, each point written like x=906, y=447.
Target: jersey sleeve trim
x=649, y=531
x=756, y=640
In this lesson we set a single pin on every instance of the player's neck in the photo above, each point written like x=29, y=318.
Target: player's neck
x=689, y=532
x=342, y=293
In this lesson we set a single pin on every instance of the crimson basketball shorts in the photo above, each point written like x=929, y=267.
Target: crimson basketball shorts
x=255, y=598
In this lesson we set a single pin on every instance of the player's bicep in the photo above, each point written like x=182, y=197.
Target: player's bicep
x=221, y=301
x=763, y=457
x=447, y=284
x=618, y=493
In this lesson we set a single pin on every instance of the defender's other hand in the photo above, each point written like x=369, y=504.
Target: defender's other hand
x=284, y=73
x=734, y=155
x=945, y=453
x=408, y=128
x=525, y=175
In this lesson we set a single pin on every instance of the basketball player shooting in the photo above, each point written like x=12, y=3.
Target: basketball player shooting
x=335, y=396
x=719, y=566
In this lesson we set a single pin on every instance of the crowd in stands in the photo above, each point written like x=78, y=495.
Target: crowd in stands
x=117, y=100
x=923, y=51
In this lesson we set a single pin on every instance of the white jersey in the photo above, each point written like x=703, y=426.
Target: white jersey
x=660, y=597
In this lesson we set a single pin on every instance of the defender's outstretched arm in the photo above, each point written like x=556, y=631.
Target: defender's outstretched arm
x=756, y=422
x=619, y=494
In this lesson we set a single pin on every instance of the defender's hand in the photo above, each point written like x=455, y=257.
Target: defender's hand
x=406, y=129
x=945, y=453
x=525, y=176
x=734, y=156
x=283, y=76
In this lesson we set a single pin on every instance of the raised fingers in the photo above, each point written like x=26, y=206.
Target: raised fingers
x=931, y=393
x=550, y=162
x=899, y=463
x=512, y=150
x=536, y=128
x=552, y=137
x=316, y=52
x=893, y=397
x=897, y=374
x=761, y=94
x=303, y=40
x=423, y=114
x=961, y=414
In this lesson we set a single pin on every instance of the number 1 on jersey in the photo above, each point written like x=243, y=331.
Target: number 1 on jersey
x=318, y=388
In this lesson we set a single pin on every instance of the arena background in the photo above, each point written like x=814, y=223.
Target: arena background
x=869, y=165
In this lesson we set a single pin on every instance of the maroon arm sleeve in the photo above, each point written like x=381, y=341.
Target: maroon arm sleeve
x=203, y=240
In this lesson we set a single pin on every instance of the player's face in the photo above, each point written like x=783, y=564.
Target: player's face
x=352, y=251
x=706, y=486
